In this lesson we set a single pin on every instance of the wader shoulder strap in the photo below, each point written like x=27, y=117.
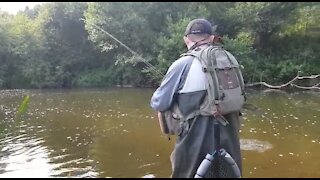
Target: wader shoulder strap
x=209, y=65
x=208, y=61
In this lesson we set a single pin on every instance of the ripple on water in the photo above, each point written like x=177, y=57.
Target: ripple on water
x=255, y=145
x=25, y=156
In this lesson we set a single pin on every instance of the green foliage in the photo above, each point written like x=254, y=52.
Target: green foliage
x=241, y=48
x=49, y=47
x=22, y=108
x=24, y=105
x=96, y=78
x=171, y=46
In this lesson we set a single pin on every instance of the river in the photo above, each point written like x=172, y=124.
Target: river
x=114, y=133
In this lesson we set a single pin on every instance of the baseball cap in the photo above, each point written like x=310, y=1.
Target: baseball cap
x=199, y=26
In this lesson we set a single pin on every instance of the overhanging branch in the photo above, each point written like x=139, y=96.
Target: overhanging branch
x=290, y=83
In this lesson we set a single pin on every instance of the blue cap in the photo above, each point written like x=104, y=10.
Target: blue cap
x=199, y=26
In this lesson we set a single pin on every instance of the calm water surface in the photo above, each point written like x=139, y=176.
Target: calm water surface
x=114, y=133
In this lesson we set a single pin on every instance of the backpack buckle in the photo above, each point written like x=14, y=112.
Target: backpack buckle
x=204, y=69
x=197, y=49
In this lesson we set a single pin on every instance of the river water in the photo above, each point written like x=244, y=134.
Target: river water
x=114, y=133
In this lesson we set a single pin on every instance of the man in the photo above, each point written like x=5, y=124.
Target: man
x=185, y=85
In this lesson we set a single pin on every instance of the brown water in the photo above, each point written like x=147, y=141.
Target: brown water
x=114, y=133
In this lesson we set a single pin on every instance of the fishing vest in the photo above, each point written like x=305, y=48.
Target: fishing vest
x=224, y=85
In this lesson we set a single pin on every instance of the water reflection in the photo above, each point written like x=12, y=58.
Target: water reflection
x=114, y=133
x=23, y=156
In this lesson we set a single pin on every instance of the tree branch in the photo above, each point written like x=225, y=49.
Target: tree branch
x=291, y=83
x=309, y=77
x=306, y=88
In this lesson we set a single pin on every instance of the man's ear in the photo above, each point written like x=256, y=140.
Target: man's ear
x=186, y=40
x=211, y=38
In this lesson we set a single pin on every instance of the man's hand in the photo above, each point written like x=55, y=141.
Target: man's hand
x=162, y=123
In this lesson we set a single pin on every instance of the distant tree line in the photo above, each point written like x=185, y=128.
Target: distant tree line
x=48, y=46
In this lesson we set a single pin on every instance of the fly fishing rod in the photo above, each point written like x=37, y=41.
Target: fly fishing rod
x=129, y=49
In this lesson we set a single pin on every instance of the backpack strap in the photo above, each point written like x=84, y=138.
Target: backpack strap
x=212, y=66
x=212, y=84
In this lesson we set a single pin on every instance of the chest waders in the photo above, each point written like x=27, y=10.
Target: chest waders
x=219, y=163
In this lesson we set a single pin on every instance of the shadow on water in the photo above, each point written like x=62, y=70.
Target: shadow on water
x=114, y=133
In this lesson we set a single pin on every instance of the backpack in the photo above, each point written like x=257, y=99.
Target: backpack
x=225, y=89
x=225, y=85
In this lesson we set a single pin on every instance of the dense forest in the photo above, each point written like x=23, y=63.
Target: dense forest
x=49, y=46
